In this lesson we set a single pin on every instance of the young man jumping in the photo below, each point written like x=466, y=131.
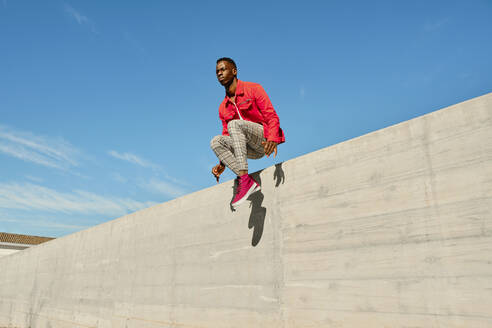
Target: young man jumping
x=250, y=128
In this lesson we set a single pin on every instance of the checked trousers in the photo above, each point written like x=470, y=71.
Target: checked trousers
x=244, y=141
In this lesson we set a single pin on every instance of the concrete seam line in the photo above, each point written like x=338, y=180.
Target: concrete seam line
x=158, y=322
x=62, y=320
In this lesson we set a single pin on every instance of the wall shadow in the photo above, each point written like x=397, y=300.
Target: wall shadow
x=257, y=217
x=278, y=175
x=258, y=212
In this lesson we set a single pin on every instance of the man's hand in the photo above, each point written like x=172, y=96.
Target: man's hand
x=217, y=171
x=270, y=146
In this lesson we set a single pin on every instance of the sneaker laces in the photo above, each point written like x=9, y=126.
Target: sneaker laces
x=239, y=184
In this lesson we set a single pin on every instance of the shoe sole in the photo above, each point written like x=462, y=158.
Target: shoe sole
x=251, y=190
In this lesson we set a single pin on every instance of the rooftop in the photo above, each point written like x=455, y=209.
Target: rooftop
x=22, y=239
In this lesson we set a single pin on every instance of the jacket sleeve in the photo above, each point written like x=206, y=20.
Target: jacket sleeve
x=272, y=131
x=224, y=125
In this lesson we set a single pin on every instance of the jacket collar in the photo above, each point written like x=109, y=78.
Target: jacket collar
x=239, y=90
x=240, y=87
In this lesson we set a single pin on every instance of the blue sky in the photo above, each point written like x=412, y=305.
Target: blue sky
x=107, y=107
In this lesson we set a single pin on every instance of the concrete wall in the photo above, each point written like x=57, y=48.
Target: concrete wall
x=391, y=229
x=7, y=251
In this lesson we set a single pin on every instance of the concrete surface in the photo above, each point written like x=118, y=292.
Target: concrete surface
x=391, y=229
x=4, y=251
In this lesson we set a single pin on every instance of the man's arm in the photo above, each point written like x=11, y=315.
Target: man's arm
x=270, y=147
x=272, y=121
x=224, y=125
x=271, y=118
x=224, y=128
x=217, y=170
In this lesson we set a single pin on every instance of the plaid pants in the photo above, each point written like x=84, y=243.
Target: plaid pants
x=244, y=141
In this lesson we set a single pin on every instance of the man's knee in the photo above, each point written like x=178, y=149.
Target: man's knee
x=215, y=142
x=233, y=124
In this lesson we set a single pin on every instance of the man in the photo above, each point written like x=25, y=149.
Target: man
x=250, y=128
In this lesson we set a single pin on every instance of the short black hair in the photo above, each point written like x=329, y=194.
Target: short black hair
x=227, y=59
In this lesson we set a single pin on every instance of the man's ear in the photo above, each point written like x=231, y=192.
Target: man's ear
x=234, y=71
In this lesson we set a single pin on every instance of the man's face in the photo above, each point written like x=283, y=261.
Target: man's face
x=225, y=72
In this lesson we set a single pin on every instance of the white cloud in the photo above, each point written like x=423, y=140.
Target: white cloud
x=79, y=18
x=132, y=158
x=163, y=187
x=302, y=92
x=436, y=25
x=134, y=43
x=35, y=179
x=44, y=223
x=118, y=177
x=34, y=197
x=51, y=152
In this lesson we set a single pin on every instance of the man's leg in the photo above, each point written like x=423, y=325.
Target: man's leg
x=247, y=138
x=224, y=150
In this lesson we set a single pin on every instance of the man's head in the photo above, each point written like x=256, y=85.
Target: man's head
x=226, y=70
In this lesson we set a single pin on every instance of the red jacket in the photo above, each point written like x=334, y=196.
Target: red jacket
x=255, y=106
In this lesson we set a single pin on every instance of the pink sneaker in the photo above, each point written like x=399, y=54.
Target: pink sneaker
x=246, y=186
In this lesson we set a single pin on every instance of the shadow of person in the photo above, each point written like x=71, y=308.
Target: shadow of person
x=257, y=216
x=258, y=212
x=278, y=175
